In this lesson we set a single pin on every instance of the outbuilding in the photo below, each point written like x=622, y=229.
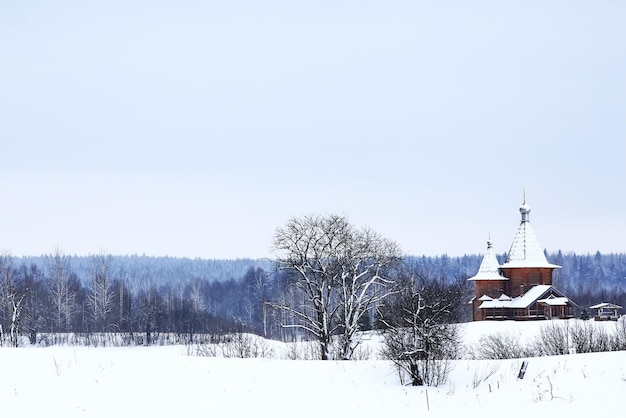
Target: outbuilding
x=606, y=311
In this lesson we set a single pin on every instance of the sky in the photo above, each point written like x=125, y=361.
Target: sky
x=196, y=128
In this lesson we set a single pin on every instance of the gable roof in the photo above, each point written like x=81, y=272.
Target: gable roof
x=534, y=294
x=525, y=250
x=489, y=267
x=606, y=305
x=554, y=301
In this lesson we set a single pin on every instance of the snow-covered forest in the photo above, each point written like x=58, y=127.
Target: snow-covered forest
x=186, y=296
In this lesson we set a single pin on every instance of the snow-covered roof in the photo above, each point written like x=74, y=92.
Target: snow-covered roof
x=489, y=267
x=525, y=250
x=552, y=301
x=605, y=305
x=522, y=302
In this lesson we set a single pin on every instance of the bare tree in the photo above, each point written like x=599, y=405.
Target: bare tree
x=16, y=307
x=35, y=306
x=365, y=281
x=11, y=300
x=150, y=305
x=253, y=300
x=122, y=312
x=419, y=337
x=337, y=273
x=6, y=290
x=62, y=294
x=197, y=305
x=100, y=296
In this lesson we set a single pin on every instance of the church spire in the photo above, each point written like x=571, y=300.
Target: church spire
x=524, y=209
x=489, y=267
x=525, y=250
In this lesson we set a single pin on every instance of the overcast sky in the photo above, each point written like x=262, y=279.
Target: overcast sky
x=196, y=128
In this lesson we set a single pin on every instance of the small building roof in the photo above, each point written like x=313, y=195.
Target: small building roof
x=489, y=267
x=605, y=305
x=525, y=250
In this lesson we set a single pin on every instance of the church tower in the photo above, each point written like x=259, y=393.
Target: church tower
x=489, y=282
x=521, y=288
x=526, y=264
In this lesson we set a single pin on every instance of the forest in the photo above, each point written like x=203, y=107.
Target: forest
x=144, y=297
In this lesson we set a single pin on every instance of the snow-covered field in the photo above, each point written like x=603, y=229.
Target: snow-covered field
x=168, y=382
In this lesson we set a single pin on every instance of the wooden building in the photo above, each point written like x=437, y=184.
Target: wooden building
x=606, y=311
x=521, y=288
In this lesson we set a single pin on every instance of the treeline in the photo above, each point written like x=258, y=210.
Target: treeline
x=51, y=298
x=160, y=270
x=591, y=278
x=58, y=293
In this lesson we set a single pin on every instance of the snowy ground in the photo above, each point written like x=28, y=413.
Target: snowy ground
x=167, y=382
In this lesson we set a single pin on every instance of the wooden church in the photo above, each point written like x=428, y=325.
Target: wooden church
x=521, y=288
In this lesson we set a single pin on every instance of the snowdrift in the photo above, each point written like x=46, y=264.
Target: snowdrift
x=166, y=381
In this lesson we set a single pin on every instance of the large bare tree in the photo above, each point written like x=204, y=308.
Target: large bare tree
x=338, y=273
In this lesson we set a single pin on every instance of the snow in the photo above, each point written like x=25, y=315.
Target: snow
x=523, y=301
x=605, y=305
x=526, y=251
x=489, y=267
x=166, y=382
x=553, y=301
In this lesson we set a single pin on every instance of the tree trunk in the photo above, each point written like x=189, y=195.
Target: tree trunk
x=416, y=379
x=325, y=350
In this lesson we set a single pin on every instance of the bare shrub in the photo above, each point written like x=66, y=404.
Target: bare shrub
x=619, y=338
x=499, y=346
x=203, y=349
x=585, y=337
x=292, y=352
x=582, y=337
x=424, y=360
x=553, y=339
x=362, y=353
x=602, y=341
x=237, y=345
x=261, y=348
x=304, y=350
x=419, y=335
